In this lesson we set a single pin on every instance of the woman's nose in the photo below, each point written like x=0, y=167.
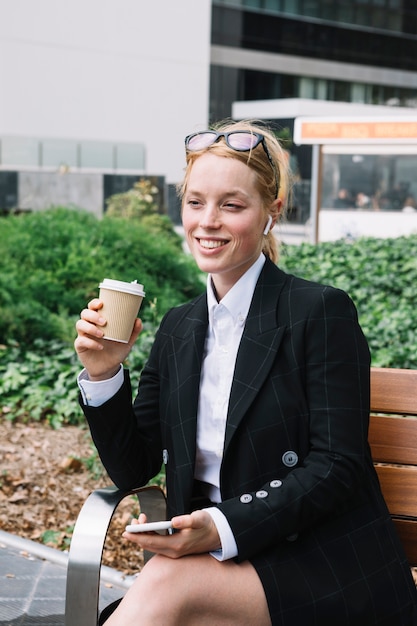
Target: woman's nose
x=210, y=217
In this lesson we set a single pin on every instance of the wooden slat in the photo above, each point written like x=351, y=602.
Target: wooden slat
x=399, y=488
x=407, y=532
x=393, y=442
x=394, y=391
x=393, y=439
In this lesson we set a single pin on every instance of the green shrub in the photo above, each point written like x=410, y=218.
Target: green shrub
x=380, y=275
x=53, y=261
x=40, y=383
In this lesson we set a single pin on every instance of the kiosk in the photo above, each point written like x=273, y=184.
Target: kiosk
x=364, y=175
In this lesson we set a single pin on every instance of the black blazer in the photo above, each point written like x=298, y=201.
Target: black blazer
x=298, y=486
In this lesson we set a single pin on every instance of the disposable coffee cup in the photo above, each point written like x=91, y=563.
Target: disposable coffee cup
x=121, y=304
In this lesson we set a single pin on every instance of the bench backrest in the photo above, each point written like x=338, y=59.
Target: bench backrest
x=393, y=441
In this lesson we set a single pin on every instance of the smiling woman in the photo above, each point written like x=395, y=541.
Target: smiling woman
x=256, y=398
x=224, y=218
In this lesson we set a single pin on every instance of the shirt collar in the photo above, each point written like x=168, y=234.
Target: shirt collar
x=238, y=298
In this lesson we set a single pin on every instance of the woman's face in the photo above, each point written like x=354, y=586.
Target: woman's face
x=223, y=218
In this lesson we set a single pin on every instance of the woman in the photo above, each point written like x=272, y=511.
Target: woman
x=256, y=398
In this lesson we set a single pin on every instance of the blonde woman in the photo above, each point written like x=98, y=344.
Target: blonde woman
x=256, y=398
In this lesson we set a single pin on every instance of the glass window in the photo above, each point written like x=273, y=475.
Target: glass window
x=311, y=8
x=346, y=12
x=340, y=90
x=8, y=191
x=292, y=6
x=273, y=5
x=97, y=154
x=394, y=20
x=19, y=151
x=358, y=92
x=329, y=10
x=306, y=87
x=130, y=156
x=363, y=15
x=378, y=18
x=375, y=182
x=322, y=89
x=252, y=3
x=59, y=152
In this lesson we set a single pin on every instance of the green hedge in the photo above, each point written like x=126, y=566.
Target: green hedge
x=381, y=277
x=52, y=262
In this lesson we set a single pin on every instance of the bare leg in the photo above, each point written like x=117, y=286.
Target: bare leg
x=193, y=590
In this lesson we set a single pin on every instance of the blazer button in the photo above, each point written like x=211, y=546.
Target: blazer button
x=246, y=498
x=290, y=458
x=261, y=494
x=165, y=456
x=275, y=483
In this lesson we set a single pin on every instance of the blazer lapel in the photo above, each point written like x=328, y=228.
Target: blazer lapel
x=258, y=348
x=188, y=341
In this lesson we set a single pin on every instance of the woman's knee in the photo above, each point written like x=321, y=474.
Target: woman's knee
x=161, y=589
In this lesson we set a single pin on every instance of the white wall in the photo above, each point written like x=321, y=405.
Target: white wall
x=118, y=70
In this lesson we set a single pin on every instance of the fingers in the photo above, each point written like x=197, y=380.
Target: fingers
x=100, y=357
x=196, y=520
x=91, y=322
x=95, y=304
x=195, y=534
x=137, y=329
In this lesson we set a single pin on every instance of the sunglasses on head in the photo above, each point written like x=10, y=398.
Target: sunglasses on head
x=239, y=140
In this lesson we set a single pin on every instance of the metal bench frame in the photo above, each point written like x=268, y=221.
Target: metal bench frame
x=87, y=543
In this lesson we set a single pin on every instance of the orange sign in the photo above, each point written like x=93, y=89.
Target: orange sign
x=355, y=130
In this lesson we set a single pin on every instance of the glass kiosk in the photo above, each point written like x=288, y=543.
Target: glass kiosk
x=364, y=176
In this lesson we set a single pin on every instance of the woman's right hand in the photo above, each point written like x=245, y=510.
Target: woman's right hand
x=100, y=357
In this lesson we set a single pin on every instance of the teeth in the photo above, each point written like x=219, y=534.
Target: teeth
x=211, y=243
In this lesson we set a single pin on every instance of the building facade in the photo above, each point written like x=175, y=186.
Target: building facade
x=277, y=59
x=98, y=87
x=360, y=51
x=97, y=93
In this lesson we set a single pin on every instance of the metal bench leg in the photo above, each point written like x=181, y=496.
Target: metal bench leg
x=84, y=563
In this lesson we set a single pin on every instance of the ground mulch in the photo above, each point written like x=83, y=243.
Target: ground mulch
x=45, y=476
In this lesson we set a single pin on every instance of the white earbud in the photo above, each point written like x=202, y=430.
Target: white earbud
x=268, y=225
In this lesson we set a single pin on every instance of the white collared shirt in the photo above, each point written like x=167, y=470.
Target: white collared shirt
x=227, y=319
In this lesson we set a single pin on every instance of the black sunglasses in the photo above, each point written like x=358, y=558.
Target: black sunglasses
x=239, y=140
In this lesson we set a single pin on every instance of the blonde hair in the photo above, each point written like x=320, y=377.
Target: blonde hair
x=268, y=176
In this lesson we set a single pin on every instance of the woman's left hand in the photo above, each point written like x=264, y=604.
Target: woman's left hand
x=194, y=534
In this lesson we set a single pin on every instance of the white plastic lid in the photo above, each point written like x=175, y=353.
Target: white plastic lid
x=118, y=285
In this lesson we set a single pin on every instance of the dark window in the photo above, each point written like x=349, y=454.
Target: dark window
x=8, y=191
x=316, y=39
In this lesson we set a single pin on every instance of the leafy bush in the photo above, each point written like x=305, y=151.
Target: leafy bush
x=53, y=261
x=141, y=203
x=380, y=275
x=40, y=383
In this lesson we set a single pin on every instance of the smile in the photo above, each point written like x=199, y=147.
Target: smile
x=211, y=243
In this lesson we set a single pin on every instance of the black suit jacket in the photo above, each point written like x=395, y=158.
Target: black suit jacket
x=297, y=481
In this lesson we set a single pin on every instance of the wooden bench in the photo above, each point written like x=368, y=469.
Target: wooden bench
x=393, y=443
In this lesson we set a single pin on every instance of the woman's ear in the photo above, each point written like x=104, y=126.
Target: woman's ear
x=273, y=215
x=268, y=225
